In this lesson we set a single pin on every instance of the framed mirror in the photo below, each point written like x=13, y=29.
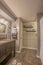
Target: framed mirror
x=8, y=16
x=2, y=28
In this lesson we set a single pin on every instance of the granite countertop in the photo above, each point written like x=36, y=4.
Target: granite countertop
x=6, y=41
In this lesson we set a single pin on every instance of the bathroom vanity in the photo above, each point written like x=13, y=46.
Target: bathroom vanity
x=7, y=47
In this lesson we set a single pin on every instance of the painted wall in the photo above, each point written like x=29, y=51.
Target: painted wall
x=21, y=34
x=19, y=41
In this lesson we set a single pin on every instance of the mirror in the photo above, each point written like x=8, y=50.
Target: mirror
x=8, y=17
x=2, y=28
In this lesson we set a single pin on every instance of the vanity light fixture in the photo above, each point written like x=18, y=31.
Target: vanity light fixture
x=3, y=21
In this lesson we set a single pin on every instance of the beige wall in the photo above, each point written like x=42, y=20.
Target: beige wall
x=19, y=41
x=21, y=34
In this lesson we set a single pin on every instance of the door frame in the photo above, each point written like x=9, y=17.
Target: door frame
x=39, y=16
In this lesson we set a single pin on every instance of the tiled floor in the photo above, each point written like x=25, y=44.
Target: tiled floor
x=26, y=57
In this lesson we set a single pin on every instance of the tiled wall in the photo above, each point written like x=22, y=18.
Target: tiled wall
x=30, y=40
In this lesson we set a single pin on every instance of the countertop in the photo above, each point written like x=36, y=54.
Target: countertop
x=6, y=41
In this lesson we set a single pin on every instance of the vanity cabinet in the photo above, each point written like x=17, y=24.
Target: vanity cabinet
x=6, y=49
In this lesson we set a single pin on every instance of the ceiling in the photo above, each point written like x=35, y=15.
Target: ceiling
x=26, y=9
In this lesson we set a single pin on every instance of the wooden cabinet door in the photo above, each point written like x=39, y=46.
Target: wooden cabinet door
x=2, y=51
x=8, y=48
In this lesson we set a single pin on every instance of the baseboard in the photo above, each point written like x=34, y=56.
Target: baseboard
x=26, y=48
x=30, y=48
x=18, y=51
x=40, y=59
x=37, y=56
